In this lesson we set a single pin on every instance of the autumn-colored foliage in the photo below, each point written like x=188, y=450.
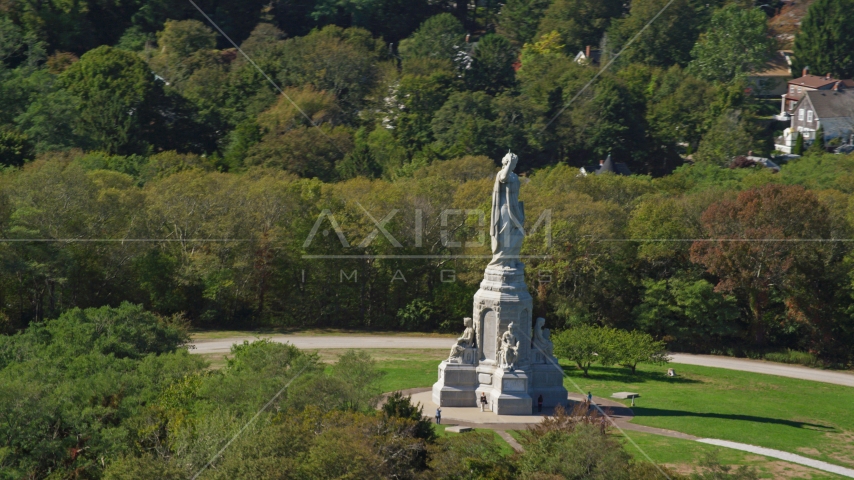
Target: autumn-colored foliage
x=762, y=244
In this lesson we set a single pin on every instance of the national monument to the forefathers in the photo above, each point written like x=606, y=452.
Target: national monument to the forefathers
x=502, y=352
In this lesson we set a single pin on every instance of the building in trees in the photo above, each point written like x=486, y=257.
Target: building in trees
x=588, y=56
x=772, y=78
x=828, y=110
x=607, y=166
x=807, y=83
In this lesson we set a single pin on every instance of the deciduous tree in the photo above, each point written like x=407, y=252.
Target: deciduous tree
x=579, y=22
x=735, y=43
x=519, y=20
x=441, y=36
x=117, y=99
x=585, y=345
x=759, y=245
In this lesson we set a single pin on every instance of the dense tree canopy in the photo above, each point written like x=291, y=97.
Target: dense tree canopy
x=335, y=171
x=826, y=40
x=155, y=127
x=720, y=54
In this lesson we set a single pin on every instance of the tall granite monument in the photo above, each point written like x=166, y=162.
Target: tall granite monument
x=501, y=352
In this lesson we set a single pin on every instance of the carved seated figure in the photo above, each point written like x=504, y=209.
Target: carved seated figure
x=541, y=344
x=465, y=350
x=509, y=352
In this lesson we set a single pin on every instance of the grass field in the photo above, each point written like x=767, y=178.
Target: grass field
x=683, y=456
x=808, y=418
x=506, y=449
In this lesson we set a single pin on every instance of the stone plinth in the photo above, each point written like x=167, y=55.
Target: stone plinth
x=509, y=393
x=502, y=299
x=459, y=429
x=547, y=380
x=456, y=386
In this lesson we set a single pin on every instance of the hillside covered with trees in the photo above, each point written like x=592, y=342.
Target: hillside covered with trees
x=147, y=160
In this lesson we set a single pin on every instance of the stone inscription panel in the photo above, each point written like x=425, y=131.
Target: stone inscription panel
x=515, y=384
x=490, y=334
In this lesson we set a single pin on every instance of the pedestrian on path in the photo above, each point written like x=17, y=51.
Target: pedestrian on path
x=482, y=401
x=540, y=403
x=589, y=398
x=438, y=416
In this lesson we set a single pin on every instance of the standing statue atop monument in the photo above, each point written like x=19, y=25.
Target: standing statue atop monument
x=464, y=350
x=508, y=215
x=509, y=348
x=502, y=355
x=541, y=344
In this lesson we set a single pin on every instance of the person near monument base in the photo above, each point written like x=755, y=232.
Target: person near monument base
x=483, y=401
x=540, y=403
x=438, y=416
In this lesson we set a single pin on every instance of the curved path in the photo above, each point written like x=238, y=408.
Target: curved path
x=219, y=346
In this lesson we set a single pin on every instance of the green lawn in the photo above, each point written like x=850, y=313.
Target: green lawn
x=505, y=447
x=808, y=418
x=683, y=456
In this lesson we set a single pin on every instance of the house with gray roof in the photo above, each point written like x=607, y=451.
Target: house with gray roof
x=606, y=166
x=831, y=110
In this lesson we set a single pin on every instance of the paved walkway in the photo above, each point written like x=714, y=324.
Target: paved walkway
x=330, y=341
x=789, y=457
x=768, y=368
x=510, y=440
x=390, y=341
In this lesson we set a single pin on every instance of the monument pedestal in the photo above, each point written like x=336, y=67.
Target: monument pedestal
x=509, y=394
x=456, y=386
x=547, y=380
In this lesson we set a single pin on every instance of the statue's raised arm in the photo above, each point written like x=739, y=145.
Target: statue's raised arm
x=507, y=216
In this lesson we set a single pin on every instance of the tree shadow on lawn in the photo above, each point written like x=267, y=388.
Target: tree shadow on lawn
x=625, y=376
x=659, y=412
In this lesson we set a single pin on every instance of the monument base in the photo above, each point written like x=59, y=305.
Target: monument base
x=547, y=380
x=506, y=392
x=456, y=386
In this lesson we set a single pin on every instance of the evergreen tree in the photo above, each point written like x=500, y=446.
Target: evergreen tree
x=799, y=145
x=360, y=161
x=519, y=20
x=817, y=145
x=15, y=148
x=492, y=65
x=826, y=40
x=441, y=36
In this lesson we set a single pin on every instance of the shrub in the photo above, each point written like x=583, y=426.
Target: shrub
x=793, y=356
